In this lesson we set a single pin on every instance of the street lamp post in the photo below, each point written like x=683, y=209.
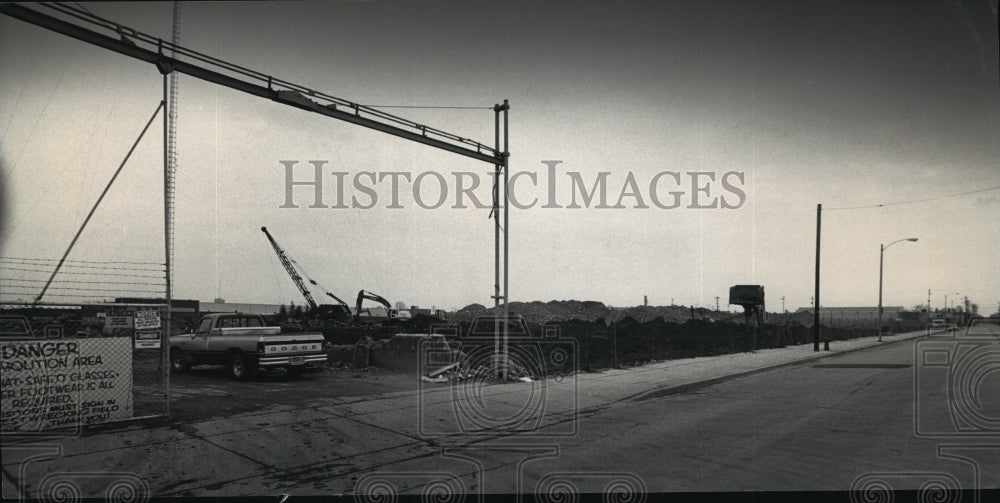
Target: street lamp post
x=881, y=262
x=947, y=309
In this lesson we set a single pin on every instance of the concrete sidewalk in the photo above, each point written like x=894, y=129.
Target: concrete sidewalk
x=325, y=446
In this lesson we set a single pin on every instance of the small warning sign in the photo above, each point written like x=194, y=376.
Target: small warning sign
x=145, y=320
x=118, y=322
x=149, y=339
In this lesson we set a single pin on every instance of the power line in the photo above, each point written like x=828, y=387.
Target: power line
x=915, y=200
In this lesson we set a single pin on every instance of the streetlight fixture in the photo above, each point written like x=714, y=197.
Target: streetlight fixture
x=881, y=261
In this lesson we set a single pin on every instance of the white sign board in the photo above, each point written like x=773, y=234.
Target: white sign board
x=47, y=384
x=145, y=320
x=147, y=339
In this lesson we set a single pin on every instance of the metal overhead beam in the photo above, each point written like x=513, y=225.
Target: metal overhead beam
x=293, y=98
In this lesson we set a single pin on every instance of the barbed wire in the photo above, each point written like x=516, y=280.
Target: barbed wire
x=52, y=260
x=84, y=282
x=103, y=267
x=32, y=295
x=81, y=273
x=101, y=290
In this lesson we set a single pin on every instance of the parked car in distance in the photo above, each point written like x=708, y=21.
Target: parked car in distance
x=16, y=327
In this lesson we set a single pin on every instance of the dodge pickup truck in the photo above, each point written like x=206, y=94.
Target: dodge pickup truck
x=245, y=344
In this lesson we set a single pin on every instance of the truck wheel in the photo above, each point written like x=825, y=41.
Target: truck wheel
x=239, y=367
x=178, y=361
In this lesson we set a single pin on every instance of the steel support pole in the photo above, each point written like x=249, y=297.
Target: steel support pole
x=94, y=208
x=165, y=337
x=246, y=84
x=506, y=231
x=496, y=248
x=881, y=261
x=819, y=213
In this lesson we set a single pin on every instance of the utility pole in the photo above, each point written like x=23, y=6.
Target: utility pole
x=783, y=305
x=614, y=342
x=716, y=302
x=928, y=301
x=819, y=220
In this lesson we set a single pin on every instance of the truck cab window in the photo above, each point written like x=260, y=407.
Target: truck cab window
x=204, y=327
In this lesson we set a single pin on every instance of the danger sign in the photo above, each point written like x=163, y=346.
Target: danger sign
x=147, y=340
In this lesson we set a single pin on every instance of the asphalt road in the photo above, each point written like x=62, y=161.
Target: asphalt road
x=827, y=425
x=837, y=424
x=867, y=419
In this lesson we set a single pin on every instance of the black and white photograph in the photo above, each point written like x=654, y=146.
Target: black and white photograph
x=463, y=250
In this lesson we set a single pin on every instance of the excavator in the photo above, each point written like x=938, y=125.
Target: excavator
x=391, y=313
x=340, y=312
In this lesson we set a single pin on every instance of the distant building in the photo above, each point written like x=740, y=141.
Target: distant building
x=178, y=305
x=854, y=316
x=229, y=307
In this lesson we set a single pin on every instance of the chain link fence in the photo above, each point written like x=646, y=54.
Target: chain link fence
x=68, y=367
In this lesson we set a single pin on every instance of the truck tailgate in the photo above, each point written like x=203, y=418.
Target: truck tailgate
x=292, y=349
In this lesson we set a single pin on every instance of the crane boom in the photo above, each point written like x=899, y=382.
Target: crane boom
x=285, y=261
x=342, y=303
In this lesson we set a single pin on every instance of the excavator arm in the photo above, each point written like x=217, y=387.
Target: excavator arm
x=362, y=295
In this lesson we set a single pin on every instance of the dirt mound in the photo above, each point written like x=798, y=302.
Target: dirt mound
x=802, y=318
x=542, y=312
x=588, y=310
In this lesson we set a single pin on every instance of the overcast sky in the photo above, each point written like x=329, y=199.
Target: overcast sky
x=842, y=103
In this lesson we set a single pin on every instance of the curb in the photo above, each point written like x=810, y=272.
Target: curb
x=682, y=388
